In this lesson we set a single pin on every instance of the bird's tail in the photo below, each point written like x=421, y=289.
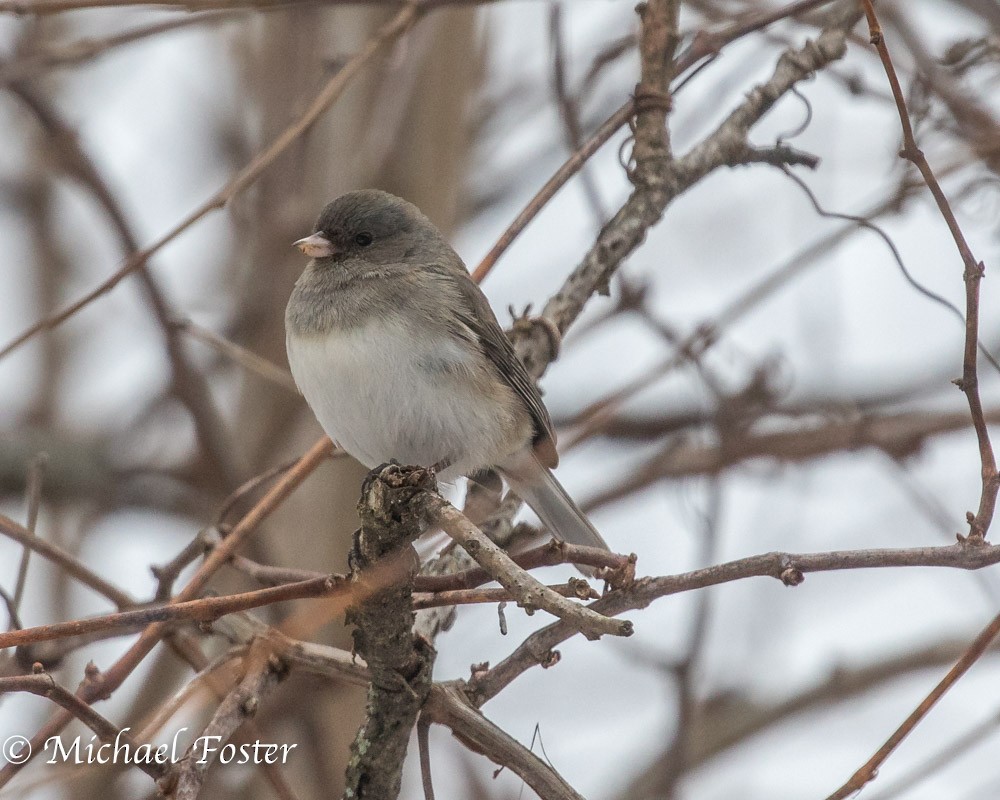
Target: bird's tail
x=538, y=487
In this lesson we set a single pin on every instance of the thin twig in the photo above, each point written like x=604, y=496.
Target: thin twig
x=187, y=647
x=81, y=50
x=46, y=7
x=65, y=560
x=400, y=23
x=249, y=486
x=686, y=671
x=524, y=587
x=33, y=499
x=869, y=769
x=43, y=685
x=424, y=747
x=570, y=167
x=547, y=555
x=708, y=44
x=447, y=705
x=938, y=761
x=206, y=679
x=103, y=684
x=205, y=609
x=569, y=110
x=247, y=359
x=789, y=568
x=577, y=588
x=979, y=523
x=263, y=670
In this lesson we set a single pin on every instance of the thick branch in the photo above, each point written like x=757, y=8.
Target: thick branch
x=651, y=154
x=659, y=179
x=400, y=663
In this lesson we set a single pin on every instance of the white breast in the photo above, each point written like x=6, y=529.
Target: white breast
x=381, y=394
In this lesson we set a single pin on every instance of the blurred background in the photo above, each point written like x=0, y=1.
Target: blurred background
x=823, y=417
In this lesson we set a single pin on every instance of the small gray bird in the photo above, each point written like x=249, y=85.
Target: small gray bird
x=400, y=356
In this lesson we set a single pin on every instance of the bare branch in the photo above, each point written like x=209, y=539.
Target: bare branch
x=870, y=768
x=400, y=663
x=43, y=685
x=789, y=568
x=898, y=435
x=979, y=523
x=447, y=705
x=67, y=561
x=263, y=671
x=526, y=589
x=404, y=19
x=33, y=497
x=103, y=684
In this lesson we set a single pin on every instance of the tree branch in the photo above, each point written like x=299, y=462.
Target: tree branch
x=789, y=568
x=399, y=24
x=103, y=684
x=263, y=671
x=400, y=663
x=43, y=685
x=529, y=592
x=447, y=705
x=979, y=523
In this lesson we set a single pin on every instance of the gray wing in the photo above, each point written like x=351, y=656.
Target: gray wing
x=476, y=315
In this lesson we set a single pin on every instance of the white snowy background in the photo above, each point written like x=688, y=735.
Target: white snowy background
x=847, y=330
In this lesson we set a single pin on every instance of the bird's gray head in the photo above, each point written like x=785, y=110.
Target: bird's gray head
x=369, y=224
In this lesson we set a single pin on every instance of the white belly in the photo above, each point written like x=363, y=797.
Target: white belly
x=382, y=395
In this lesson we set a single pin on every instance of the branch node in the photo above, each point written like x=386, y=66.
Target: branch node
x=649, y=99
x=975, y=273
x=621, y=577
x=582, y=590
x=249, y=706
x=550, y=659
x=480, y=668
x=792, y=576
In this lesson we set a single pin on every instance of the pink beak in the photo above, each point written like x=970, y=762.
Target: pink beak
x=316, y=246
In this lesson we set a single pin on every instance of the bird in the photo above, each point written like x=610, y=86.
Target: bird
x=401, y=358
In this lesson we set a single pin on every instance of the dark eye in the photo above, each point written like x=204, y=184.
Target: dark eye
x=364, y=239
